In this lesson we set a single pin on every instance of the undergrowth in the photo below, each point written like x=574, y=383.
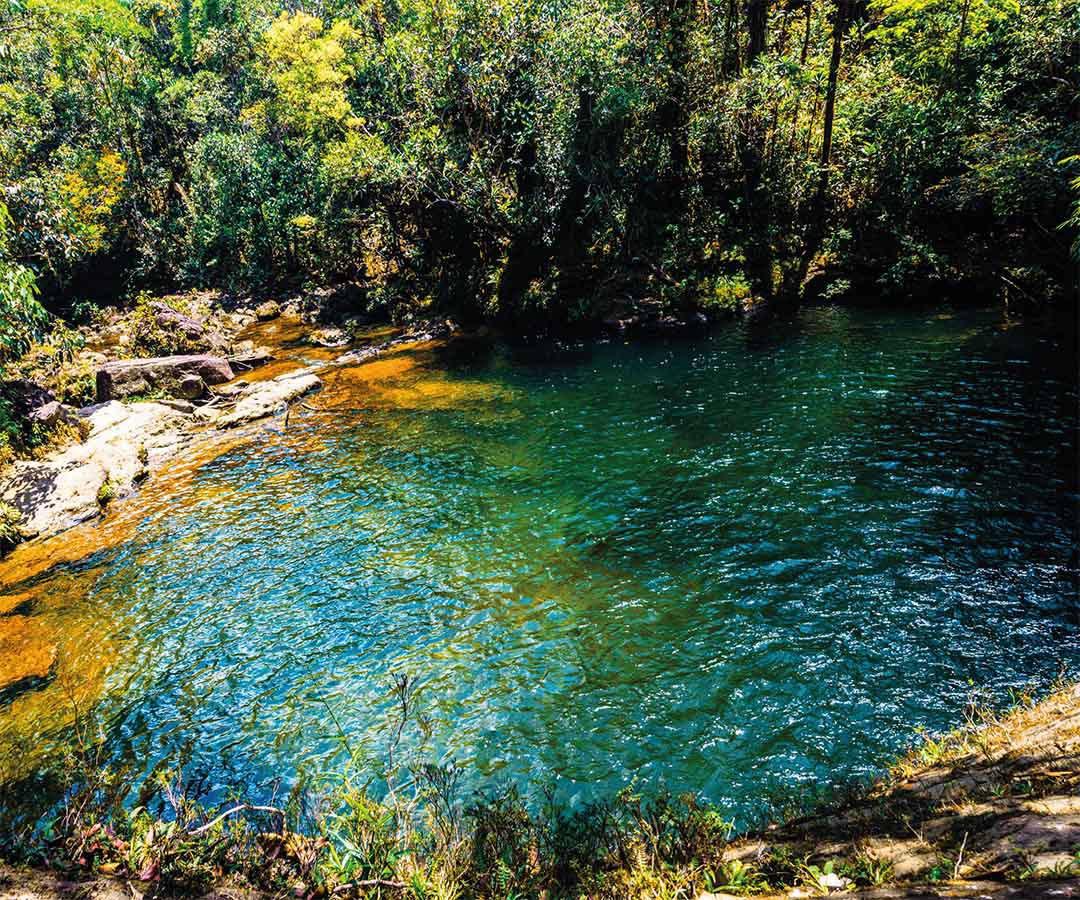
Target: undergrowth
x=394, y=826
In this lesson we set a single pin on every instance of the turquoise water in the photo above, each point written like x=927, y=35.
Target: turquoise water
x=750, y=561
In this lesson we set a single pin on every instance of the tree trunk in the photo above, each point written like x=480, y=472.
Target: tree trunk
x=960, y=42
x=757, y=19
x=758, y=241
x=839, y=24
x=819, y=211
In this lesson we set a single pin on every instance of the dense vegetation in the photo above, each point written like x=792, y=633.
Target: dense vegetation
x=539, y=158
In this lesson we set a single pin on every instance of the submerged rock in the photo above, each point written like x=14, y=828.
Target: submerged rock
x=26, y=653
x=10, y=603
x=427, y=331
x=171, y=374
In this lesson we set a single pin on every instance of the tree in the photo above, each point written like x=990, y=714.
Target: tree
x=932, y=36
x=186, y=39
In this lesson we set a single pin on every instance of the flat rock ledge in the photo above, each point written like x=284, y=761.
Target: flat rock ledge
x=128, y=441
x=124, y=441
x=264, y=398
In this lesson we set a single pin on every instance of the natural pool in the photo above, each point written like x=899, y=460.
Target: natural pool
x=750, y=561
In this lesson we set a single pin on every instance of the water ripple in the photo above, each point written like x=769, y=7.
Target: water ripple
x=732, y=564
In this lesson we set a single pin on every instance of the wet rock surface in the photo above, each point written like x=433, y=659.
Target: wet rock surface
x=125, y=442
x=264, y=312
x=249, y=357
x=264, y=398
x=330, y=336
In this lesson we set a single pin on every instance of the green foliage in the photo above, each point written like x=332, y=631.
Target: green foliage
x=10, y=527
x=22, y=318
x=932, y=36
x=106, y=491
x=148, y=336
x=310, y=72
x=539, y=161
x=1073, y=222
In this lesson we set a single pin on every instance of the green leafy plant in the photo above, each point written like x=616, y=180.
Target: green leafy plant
x=106, y=492
x=10, y=527
x=22, y=317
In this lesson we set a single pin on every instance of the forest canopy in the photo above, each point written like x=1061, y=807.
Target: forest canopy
x=533, y=159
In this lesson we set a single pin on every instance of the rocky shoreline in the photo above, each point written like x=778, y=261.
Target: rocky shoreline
x=152, y=410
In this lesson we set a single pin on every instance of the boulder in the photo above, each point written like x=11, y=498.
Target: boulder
x=51, y=414
x=264, y=312
x=172, y=320
x=329, y=337
x=191, y=387
x=171, y=374
x=26, y=397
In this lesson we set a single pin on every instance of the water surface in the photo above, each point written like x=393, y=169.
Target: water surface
x=749, y=561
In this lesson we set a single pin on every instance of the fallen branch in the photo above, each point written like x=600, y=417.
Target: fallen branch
x=243, y=807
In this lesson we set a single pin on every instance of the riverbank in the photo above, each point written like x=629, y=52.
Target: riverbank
x=225, y=369
x=148, y=428
x=403, y=463
x=116, y=401
x=990, y=810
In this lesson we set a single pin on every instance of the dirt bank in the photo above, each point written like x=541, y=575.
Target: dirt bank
x=997, y=800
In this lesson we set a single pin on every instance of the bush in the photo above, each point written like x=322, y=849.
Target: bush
x=10, y=527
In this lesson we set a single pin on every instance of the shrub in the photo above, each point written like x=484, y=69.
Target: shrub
x=148, y=336
x=107, y=492
x=10, y=527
